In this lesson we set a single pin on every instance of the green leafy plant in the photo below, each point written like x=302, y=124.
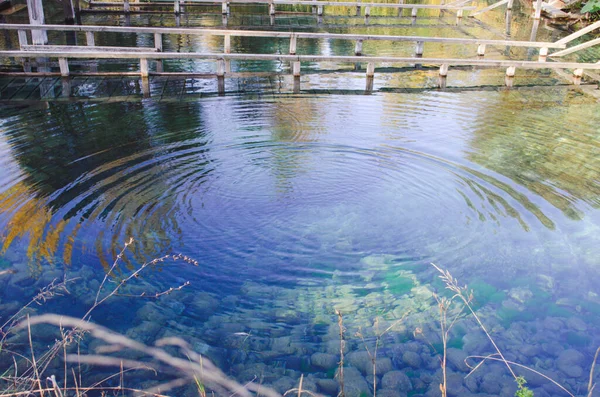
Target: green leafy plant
x=523, y=391
x=591, y=6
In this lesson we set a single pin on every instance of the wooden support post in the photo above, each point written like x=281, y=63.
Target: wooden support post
x=538, y=9
x=481, y=50
x=357, y=11
x=510, y=71
x=443, y=76
x=228, y=66
x=144, y=68
x=444, y=70
x=224, y=8
x=271, y=8
x=313, y=9
x=220, y=67
x=64, y=67
x=509, y=5
x=293, y=44
x=36, y=17
x=413, y=13
x=320, y=10
x=227, y=44
x=358, y=48
x=146, y=87
x=158, y=44
x=543, y=54
x=370, y=69
x=66, y=88
x=89, y=38
x=459, y=13
x=126, y=6
x=176, y=7
x=577, y=75
x=367, y=11
x=22, y=38
x=419, y=49
x=296, y=68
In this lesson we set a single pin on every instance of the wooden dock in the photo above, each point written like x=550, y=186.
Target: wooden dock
x=144, y=55
x=318, y=5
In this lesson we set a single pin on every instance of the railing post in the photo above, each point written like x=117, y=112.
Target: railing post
x=158, y=44
x=144, y=67
x=509, y=5
x=358, y=48
x=296, y=68
x=413, y=13
x=293, y=44
x=64, y=67
x=320, y=10
x=444, y=70
x=510, y=71
x=443, y=75
x=227, y=44
x=89, y=38
x=538, y=9
x=22, y=38
x=224, y=8
x=543, y=54
x=126, y=7
x=370, y=69
x=220, y=68
x=271, y=8
x=419, y=49
x=176, y=7
x=367, y=11
x=481, y=50
x=35, y=8
x=459, y=13
x=357, y=11
x=577, y=75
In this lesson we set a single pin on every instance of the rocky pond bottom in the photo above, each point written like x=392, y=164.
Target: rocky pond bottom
x=296, y=208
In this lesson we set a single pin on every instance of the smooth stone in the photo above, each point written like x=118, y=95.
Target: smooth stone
x=577, y=324
x=412, y=359
x=456, y=358
x=328, y=386
x=324, y=361
x=362, y=360
x=569, y=362
x=355, y=384
x=553, y=324
x=390, y=393
x=396, y=380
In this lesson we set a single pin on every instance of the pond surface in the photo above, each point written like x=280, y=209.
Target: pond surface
x=298, y=206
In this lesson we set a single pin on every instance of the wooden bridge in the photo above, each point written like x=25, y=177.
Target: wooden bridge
x=144, y=55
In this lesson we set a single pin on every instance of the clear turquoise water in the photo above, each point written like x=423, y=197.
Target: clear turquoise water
x=296, y=206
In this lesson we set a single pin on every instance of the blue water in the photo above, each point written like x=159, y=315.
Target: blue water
x=295, y=206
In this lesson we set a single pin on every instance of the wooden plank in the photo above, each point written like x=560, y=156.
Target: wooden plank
x=68, y=48
x=251, y=33
x=538, y=9
x=576, y=48
x=488, y=8
x=579, y=33
x=301, y=58
x=315, y=3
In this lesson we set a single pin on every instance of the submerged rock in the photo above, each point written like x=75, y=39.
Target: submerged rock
x=324, y=361
x=355, y=385
x=412, y=359
x=396, y=380
x=569, y=362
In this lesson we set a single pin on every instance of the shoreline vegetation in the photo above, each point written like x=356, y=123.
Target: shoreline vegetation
x=66, y=367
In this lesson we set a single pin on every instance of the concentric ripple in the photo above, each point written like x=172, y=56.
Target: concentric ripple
x=294, y=188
